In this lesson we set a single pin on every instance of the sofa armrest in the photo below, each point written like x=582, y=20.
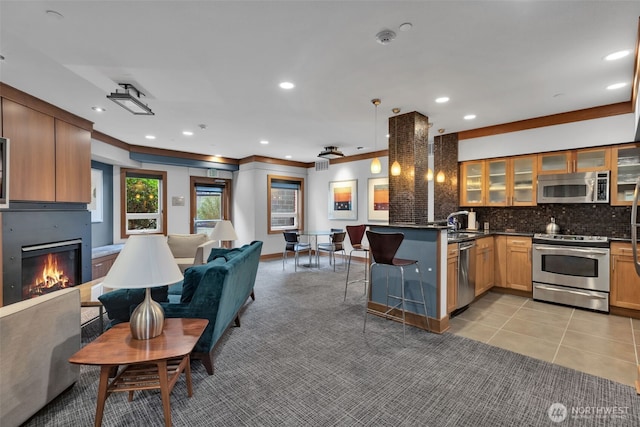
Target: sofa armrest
x=203, y=251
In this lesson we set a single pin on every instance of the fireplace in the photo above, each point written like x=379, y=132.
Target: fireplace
x=44, y=248
x=50, y=267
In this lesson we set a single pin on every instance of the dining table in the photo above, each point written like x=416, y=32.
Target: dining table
x=312, y=238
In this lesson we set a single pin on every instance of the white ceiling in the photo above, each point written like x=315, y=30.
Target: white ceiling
x=219, y=63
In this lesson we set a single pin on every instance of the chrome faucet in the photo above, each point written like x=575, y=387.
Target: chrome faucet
x=452, y=225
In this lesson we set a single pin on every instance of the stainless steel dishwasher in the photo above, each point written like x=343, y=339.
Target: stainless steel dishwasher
x=466, y=273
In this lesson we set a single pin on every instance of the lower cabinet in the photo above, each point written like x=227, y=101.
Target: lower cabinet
x=513, y=262
x=484, y=265
x=625, y=282
x=452, y=276
x=100, y=266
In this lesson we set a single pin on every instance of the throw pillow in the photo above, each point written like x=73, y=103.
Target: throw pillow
x=227, y=254
x=192, y=277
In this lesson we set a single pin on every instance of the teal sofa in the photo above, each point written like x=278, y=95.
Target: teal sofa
x=215, y=291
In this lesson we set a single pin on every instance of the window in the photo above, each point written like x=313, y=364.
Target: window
x=286, y=201
x=143, y=197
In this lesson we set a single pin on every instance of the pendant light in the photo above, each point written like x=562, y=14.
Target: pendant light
x=395, y=167
x=440, y=177
x=376, y=166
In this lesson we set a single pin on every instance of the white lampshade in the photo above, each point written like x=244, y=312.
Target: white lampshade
x=144, y=262
x=224, y=231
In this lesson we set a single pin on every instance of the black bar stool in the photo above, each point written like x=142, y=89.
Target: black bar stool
x=356, y=233
x=383, y=248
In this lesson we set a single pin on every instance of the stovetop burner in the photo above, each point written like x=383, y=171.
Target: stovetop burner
x=567, y=239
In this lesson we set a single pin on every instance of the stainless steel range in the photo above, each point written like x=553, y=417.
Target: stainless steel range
x=571, y=270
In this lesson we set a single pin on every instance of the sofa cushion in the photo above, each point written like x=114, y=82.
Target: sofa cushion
x=185, y=245
x=225, y=253
x=118, y=303
x=193, y=276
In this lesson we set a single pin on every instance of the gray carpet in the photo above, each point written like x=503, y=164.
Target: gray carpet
x=300, y=358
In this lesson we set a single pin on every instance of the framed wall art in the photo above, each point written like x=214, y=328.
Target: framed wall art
x=378, y=199
x=343, y=199
x=95, y=207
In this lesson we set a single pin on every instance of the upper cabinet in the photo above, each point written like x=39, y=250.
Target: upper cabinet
x=583, y=160
x=50, y=158
x=624, y=173
x=472, y=183
x=499, y=182
x=33, y=152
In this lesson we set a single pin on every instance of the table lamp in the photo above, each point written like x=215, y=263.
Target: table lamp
x=223, y=231
x=144, y=262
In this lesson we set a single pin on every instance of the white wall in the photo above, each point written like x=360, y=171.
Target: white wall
x=588, y=133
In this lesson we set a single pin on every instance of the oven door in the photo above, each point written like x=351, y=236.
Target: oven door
x=578, y=267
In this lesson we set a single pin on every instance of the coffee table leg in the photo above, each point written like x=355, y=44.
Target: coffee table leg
x=102, y=393
x=164, y=391
x=187, y=373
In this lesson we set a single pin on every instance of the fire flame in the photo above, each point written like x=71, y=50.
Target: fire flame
x=52, y=276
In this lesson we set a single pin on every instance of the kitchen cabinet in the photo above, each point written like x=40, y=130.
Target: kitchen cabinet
x=582, y=160
x=452, y=276
x=512, y=260
x=472, y=188
x=50, y=158
x=484, y=264
x=625, y=171
x=499, y=182
x=625, y=283
x=100, y=266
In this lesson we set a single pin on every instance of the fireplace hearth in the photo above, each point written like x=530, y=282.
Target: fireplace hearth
x=44, y=250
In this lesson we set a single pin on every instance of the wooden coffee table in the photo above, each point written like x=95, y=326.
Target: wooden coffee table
x=147, y=364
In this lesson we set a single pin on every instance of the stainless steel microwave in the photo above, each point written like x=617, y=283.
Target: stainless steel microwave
x=582, y=187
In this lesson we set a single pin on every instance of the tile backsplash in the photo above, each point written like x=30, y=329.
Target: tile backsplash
x=580, y=219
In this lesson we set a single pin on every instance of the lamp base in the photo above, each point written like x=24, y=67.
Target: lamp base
x=147, y=320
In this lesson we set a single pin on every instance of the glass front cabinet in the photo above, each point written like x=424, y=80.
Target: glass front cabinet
x=583, y=160
x=624, y=173
x=499, y=182
x=472, y=174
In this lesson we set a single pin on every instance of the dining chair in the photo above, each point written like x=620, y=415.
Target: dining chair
x=356, y=233
x=336, y=244
x=384, y=247
x=293, y=244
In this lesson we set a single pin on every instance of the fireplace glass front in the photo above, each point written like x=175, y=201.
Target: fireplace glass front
x=50, y=267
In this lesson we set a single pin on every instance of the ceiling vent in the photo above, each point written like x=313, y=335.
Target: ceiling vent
x=331, y=152
x=322, y=165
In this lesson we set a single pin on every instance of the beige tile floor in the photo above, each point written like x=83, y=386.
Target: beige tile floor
x=599, y=344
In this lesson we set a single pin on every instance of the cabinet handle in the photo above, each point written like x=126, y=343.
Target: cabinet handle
x=613, y=264
x=575, y=165
x=97, y=265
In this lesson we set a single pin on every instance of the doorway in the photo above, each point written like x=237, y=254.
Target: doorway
x=210, y=203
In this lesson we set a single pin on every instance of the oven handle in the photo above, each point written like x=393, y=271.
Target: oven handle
x=584, y=294
x=556, y=248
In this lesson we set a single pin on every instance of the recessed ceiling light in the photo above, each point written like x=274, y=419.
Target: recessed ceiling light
x=98, y=109
x=470, y=117
x=288, y=156
x=407, y=26
x=264, y=142
x=616, y=55
x=442, y=99
x=150, y=137
x=287, y=85
x=616, y=86
x=187, y=133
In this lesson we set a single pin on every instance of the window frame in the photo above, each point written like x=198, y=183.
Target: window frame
x=143, y=173
x=293, y=180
